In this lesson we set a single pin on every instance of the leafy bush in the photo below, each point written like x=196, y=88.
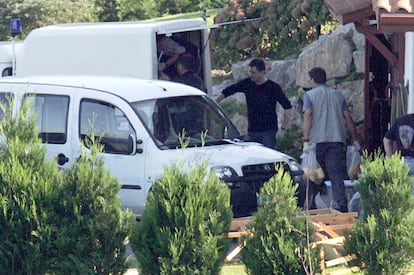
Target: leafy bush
x=279, y=243
x=287, y=26
x=29, y=191
x=383, y=241
x=51, y=221
x=184, y=224
x=92, y=226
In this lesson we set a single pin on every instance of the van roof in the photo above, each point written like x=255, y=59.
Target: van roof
x=129, y=88
x=162, y=26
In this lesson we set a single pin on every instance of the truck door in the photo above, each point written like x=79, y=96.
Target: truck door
x=67, y=116
x=113, y=122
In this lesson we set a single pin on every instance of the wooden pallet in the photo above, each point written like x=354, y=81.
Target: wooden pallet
x=238, y=228
x=330, y=225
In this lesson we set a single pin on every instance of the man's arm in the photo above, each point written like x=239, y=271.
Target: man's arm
x=307, y=124
x=389, y=146
x=351, y=125
x=219, y=98
x=287, y=115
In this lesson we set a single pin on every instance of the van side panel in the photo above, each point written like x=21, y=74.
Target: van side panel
x=89, y=50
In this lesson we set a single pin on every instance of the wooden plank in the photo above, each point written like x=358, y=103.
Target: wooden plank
x=234, y=253
x=322, y=227
x=339, y=241
x=237, y=234
x=238, y=223
x=340, y=260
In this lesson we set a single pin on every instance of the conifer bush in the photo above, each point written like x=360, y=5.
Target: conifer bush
x=29, y=190
x=184, y=225
x=56, y=222
x=280, y=239
x=383, y=240
x=92, y=227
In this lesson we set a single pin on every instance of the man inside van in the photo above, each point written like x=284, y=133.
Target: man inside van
x=262, y=95
x=185, y=72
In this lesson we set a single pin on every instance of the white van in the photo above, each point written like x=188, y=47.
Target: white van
x=138, y=122
x=111, y=48
x=8, y=50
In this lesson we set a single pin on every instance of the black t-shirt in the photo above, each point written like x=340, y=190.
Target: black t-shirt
x=261, y=103
x=190, y=79
x=402, y=132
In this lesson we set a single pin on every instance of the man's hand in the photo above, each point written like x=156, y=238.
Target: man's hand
x=306, y=147
x=280, y=133
x=357, y=145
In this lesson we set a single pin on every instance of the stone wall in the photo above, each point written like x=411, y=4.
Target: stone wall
x=340, y=53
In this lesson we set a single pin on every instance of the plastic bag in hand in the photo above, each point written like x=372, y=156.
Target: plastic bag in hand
x=311, y=168
x=353, y=162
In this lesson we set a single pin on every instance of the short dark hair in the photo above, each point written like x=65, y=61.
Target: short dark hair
x=258, y=63
x=318, y=75
x=187, y=61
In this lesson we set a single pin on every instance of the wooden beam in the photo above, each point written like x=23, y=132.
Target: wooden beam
x=358, y=15
x=391, y=58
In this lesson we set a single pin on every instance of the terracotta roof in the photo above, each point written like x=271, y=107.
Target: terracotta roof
x=390, y=15
x=394, y=6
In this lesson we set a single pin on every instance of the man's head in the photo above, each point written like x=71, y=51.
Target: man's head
x=257, y=70
x=185, y=63
x=317, y=75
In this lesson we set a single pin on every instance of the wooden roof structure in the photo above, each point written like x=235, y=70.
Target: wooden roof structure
x=384, y=24
x=387, y=15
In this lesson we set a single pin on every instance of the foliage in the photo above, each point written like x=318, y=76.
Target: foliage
x=51, y=221
x=291, y=143
x=92, y=227
x=34, y=14
x=184, y=223
x=279, y=243
x=28, y=193
x=383, y=241
x=286, y=27
x=231, y=107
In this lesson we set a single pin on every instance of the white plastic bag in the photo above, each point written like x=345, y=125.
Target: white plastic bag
x=311, y=168
x=353, y=162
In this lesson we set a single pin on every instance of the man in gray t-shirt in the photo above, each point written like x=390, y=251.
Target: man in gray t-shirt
x=325, y=112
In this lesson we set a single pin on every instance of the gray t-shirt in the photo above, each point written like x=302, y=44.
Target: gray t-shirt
x=328, y=121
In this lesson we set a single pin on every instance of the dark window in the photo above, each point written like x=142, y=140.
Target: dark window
x=107, y=124
x=51, y=112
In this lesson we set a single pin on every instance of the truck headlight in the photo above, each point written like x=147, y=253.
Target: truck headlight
x=296, y=171
x=224, y=172
x=294, y=166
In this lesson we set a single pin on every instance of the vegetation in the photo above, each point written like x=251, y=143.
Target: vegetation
x=383, y=241
x=184, y=224
x=280, y=239
x=285, y=27
x=56, y=222
x=34, y=14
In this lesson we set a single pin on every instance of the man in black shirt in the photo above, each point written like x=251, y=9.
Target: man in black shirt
x=185, y=67
x=400, y=138
x=261, y=95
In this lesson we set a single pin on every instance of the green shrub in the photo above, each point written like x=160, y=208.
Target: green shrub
x=279, y=243
x=92, y=227
x=383, y=241
x=28, y=193
x=56, y=222
x=184, y=224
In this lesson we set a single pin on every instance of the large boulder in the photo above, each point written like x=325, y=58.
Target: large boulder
x=339, y=53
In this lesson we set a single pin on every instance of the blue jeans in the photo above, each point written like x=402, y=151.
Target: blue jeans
x=267, y=138
x=330, y=155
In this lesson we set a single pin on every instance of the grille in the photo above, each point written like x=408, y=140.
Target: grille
x=264, y=169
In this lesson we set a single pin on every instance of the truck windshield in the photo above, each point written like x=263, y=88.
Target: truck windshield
x=195, y=120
